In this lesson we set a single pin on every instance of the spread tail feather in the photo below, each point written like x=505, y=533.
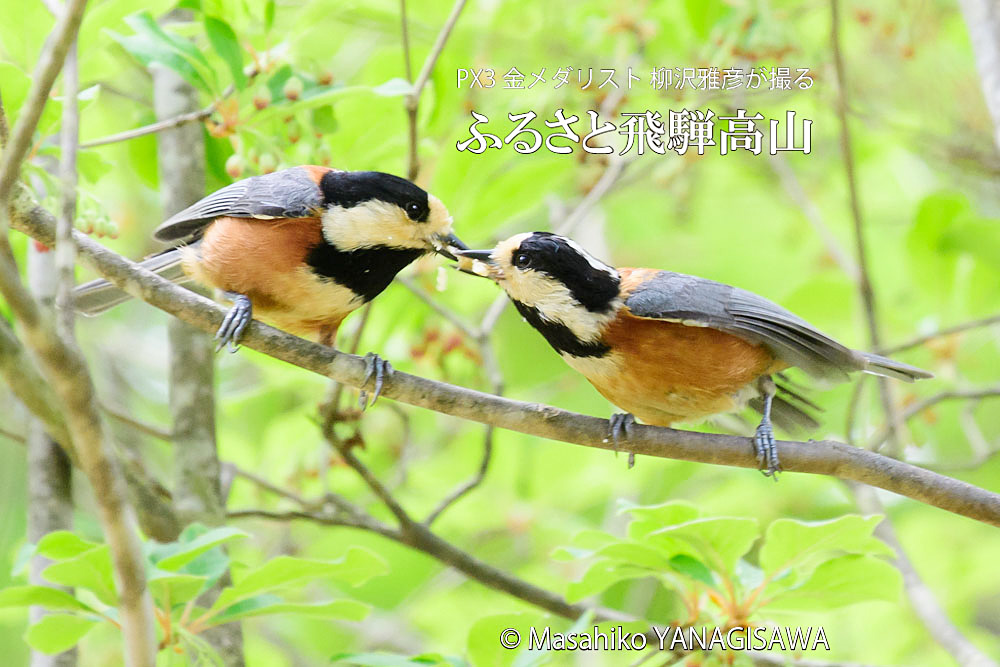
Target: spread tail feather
x=886, y=367
x=99, y=295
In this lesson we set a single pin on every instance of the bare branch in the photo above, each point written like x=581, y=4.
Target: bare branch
x=172, y=122
x=442, y=39
x=928, y=610
x=444, y=312
x=790, y=182
x=49, y=64
x=942, y=333
x=153, y=128
x=465, y=487
x=863, y=274
x=913, y=410
x=823, y=457
x=65, y=369
x=139, y=425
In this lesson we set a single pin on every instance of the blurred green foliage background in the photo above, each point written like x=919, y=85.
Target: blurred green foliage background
x=926, y=172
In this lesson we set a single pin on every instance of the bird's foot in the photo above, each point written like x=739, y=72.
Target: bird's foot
x=621, y=424
x=376, y=370
x=235, y=323
x=766, y=449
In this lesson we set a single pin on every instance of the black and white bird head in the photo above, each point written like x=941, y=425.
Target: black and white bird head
x=560, y=288
x=362, y=209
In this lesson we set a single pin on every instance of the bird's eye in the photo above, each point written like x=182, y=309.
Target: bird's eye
x=413, y=210
x=522, y=261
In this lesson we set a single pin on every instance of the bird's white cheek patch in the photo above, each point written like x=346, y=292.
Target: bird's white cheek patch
x=369, y=224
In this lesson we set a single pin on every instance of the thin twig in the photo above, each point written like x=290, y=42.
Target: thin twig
x=922, y=598
x=469, y=484
x=496, y=380
x=941, y=333
x=790, y=182
x=373, y=482
x=49, y=64
x=149, y=429
x=16, y=437
x=66, y=370
x=169, y=123
x=916, y=408
x=153, y=128
x=413, y=159
x=863, y=273
x=268, y=486
x=444, y=312
x=823, y=457
x=331, y=411
x=442, y=39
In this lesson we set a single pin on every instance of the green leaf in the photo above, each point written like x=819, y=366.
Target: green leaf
x=269, y=15
x=175, y=588
x=91, y=570
x=194, y=541
x=601, y=575
x=93, y=165
x=704, y=14
x=840, y=582
x=57, y=632
x=393, y=88
x=323, y=120
x=354, y=568
x=483, y=645
x=262, y=605
x=584, y=544
x=152, y=44
x=650, y=518
x=719, y=542
x=691, y=568
x=801, y=545
x=43, y=596
x=224, y=41
x=14, y=82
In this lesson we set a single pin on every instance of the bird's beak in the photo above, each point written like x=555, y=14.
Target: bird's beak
x=448, y=245
x=478, y=263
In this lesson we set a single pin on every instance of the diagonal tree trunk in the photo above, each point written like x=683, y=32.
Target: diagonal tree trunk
x=197, y=493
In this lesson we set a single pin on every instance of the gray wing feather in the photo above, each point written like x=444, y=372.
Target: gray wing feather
x=700, y=302
x=289, y=193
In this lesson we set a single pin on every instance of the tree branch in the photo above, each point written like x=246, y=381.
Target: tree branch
x=47, y=68
x=928, y=610
x=941, y=333
x=172, y=122
x=923, y=404
x=824, y=457
x=863, y=273
x=65, y=369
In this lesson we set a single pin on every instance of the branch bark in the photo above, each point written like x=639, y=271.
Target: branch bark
x=64, y=367
x=823, y=457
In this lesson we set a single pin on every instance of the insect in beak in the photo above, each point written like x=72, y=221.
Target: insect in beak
x=448, y=245
x=479, y=263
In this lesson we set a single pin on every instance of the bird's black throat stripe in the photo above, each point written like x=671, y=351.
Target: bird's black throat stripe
x=366, y=271
x=560, y=336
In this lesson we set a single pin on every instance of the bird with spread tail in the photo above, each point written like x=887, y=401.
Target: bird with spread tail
x=668, y=347
x=299, y=248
